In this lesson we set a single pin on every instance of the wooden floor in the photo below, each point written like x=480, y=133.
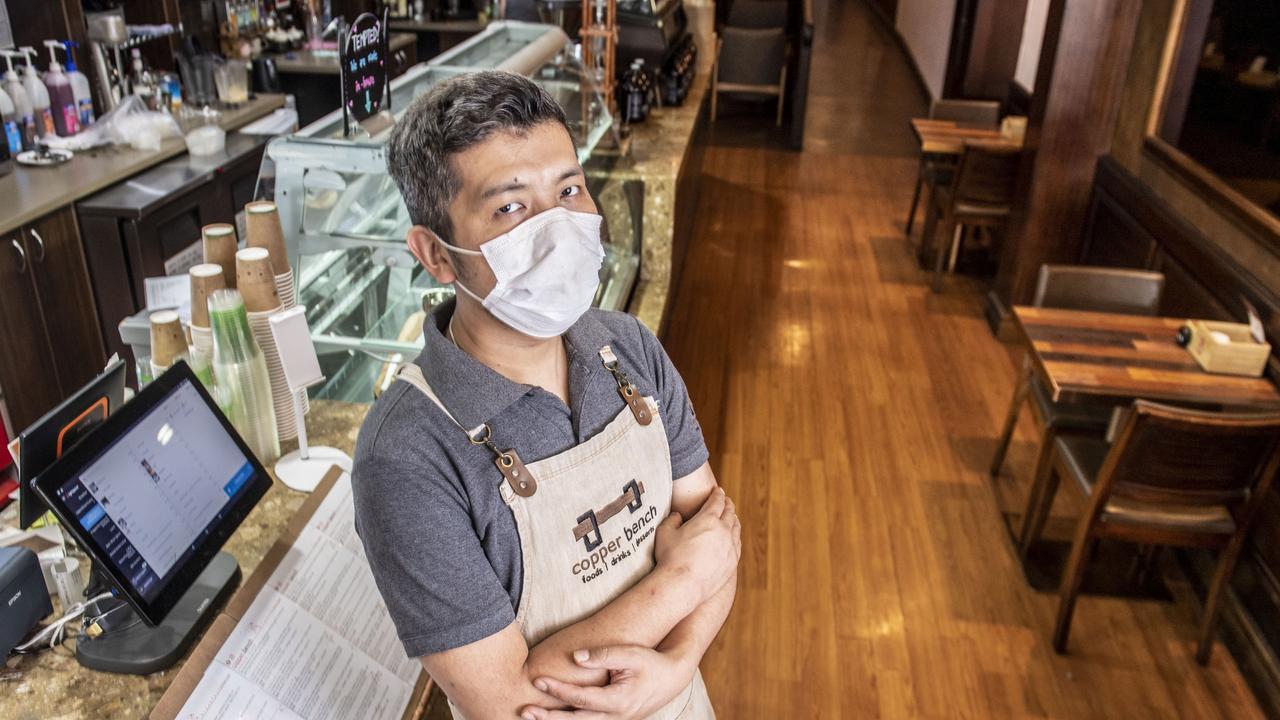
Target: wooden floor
x=851, y=413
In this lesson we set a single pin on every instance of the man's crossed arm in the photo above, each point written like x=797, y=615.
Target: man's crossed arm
x=645, y=645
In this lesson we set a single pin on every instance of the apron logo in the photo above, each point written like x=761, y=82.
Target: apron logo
x=589, y=522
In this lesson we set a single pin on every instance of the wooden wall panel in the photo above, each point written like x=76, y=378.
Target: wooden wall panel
x=1202, y=281
x=993, y=50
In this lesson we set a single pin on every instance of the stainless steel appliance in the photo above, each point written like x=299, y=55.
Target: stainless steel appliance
x=652, y=30
x=107, y=35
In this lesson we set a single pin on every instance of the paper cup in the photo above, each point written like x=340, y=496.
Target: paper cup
x=256, y=282
x=262, y=225
x=167, y=338
x=220, y=246
x=204, y=280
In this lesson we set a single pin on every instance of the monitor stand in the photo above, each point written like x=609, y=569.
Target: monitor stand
x=128, y=645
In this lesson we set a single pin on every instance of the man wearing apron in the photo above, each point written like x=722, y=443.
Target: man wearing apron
x=533, y=492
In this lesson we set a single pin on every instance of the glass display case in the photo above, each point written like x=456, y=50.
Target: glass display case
x=345, y=222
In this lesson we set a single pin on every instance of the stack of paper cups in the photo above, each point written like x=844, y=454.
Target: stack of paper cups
x=168, y=342
x=205, y=279
x=219, y=241
x=284, y=286
x=262, y=225
x=257, y=285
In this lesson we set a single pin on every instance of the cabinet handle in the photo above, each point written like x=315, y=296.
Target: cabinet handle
x=39, y=244
x=22, y=257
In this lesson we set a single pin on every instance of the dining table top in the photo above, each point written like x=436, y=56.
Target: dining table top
x=1111, y=358
x=947, y=137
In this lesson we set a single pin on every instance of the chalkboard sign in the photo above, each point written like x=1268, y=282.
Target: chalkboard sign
x=364, y=67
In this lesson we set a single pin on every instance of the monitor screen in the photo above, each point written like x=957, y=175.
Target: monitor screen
x=152, y=497
x=155, y=492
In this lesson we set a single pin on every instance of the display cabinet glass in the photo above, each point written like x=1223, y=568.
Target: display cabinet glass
x=345, y=222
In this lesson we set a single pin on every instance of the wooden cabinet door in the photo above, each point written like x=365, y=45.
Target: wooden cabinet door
x=62, y=282
x=27, y=378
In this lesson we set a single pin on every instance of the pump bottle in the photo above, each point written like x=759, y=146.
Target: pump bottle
x=38, y=93
x=21, y=101
x=12, y=124
x=79, y=86
x=62, y=100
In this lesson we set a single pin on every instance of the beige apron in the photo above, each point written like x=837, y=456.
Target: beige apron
x=587, y=520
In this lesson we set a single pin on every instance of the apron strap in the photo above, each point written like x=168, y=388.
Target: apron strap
x=639, y=408
x=520, y=480
x=412, y=374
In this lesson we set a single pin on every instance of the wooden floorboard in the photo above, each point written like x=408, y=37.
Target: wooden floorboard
x=851, y=413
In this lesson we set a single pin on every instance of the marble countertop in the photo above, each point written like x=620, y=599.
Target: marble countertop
x=30, y=193
x=660, y=148
x=53, y=685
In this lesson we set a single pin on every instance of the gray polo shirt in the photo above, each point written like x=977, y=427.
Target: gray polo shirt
x=441, y=542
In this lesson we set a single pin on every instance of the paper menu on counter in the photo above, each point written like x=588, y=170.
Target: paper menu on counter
x=313, y=641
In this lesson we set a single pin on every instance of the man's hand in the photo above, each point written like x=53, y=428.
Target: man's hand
x=641, y=681
x=707, y=546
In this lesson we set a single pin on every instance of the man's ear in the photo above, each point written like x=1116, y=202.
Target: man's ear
x=426, y=247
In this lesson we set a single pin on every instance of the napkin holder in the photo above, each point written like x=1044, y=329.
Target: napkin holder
x=1239, y=354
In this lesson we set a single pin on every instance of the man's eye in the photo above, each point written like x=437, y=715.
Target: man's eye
x=570, y=191
x=509, y=208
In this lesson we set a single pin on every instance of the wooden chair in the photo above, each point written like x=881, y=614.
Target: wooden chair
x=1174, y=477
x=1075, y=287
x=750, y=61
x=938, y=169
x=981, y=196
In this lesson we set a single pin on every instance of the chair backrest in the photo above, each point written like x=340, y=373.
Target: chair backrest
x=758, y=14
x=751, y=57
x=968, y=112
x=987, y=173
x=1099, y=289
x=1168, y=455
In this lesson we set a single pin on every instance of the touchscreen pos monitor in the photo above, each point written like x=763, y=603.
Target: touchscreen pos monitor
x=60, y=429
x=151, y=496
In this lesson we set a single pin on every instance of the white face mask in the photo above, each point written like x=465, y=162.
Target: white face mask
x=548, y=269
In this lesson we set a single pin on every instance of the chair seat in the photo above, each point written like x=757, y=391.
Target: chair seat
x=982, y=210
x=993, y=210
x=1083, y=457
x=1074, y=416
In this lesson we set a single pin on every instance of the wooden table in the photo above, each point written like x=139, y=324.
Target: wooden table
x=947, y=137
x=1113, y=359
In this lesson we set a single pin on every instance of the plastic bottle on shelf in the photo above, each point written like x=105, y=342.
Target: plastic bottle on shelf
x=12, y=123
x=141, y=82
x=38, y=94
x=79, y=86
x=62, y=99
x=21, y=101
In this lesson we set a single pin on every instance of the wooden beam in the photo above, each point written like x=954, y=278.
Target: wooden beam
x=1081, y=75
